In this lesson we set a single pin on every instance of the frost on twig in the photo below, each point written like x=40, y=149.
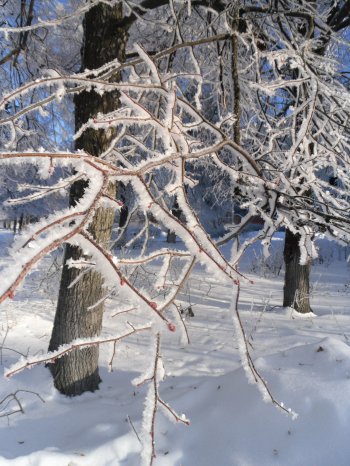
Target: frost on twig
x=78, y=344
x=153, y=376
x=165, y=143
x=249, y=367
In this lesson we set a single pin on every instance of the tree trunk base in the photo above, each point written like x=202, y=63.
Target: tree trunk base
x=171, y=237
x=296, y=291
x=76, y=372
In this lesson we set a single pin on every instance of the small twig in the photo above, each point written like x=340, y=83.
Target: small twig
x=28, y=266
x=124, y=312
x=3, y=341
x=156, y=397
x=122, y=278
x=182, y=319
x=172, y=412
x=51, y=357
x=110, y=364
x=152, y=401
x=13, y=397
x=245, y=354
x=133, y=428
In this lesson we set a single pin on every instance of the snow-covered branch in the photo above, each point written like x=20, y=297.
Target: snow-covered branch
x=78, y=344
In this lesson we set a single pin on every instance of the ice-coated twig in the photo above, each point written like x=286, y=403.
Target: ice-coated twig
x=153, y=399
x=26, y=261
x=109, y=259
x=250, y=369
x=80, y=343
x=183, y=322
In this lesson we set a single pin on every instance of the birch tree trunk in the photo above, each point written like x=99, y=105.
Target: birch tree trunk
x=77, y=314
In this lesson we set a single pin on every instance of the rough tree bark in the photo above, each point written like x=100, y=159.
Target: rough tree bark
x=77, y=315
x=296, y=291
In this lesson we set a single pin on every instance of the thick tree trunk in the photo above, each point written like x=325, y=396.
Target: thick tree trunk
x=296, y=280
x=296, y=291
x=78, y=315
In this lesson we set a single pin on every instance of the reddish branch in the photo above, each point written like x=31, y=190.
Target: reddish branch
x=102, y=72
x=226, y=269
x=48, y=359
x=9, y=293
x=151, y=304
x=52, y=224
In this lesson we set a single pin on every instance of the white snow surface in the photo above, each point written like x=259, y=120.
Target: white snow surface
x=304, y=360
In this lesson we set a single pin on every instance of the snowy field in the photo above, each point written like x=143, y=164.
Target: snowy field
x=304, y=359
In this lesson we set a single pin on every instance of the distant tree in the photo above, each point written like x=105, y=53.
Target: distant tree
x=290, y=119
x=296, y=291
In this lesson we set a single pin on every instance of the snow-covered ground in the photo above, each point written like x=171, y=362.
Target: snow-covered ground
x=304, y=359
